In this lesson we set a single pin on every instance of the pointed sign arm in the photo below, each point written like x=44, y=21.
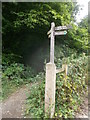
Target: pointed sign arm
x=63, y=27
x=48, y=32
x=61, y=33
x=49, y=36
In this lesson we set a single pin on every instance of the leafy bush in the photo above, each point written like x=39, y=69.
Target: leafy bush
x=14, y=75
x=62, y=53
x=68, y=92
x=35, y=101
x=14, y=72
x=8, y=59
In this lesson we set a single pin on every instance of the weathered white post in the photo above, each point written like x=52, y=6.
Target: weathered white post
x=51, y=71
x=50, y=89
x=50, y=78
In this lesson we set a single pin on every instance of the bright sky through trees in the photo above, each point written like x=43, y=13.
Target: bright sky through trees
x=84, y=11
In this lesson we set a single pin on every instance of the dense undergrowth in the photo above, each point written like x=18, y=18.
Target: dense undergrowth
x=14, y=74
x=68, y=92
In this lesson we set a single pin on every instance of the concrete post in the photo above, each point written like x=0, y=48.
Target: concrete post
x=50, y=87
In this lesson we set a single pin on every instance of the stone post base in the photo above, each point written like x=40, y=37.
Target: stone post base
x=50, y=86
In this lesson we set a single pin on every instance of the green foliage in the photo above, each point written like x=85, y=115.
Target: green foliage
x=26, y=25
x=33, y=19
x=35, y=101
x=8, y=59
x=36, y=14
x=84, y=22
x=68, y=92
x=62, y=52
x=8, y=87
x=14, y=74
x=82, y=34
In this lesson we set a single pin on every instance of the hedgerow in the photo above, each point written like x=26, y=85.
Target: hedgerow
x=68, y=92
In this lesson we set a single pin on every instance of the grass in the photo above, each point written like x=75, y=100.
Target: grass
x=8, y=88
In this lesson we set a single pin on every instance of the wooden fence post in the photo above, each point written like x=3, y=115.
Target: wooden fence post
x=65, y=67
x=66, y=70
x=52, y=42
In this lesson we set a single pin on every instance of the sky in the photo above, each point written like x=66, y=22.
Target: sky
x=84, y=12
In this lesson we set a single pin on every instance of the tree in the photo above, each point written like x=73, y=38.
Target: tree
x=21, y=19
x=33, y=15
x=83, y=32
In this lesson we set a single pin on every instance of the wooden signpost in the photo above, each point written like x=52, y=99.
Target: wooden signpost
x=52, y=42
x=51, y=71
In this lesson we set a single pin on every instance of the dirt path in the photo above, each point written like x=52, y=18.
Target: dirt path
x=14, y=106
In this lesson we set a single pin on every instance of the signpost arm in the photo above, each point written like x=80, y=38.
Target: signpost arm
x=52, y=42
